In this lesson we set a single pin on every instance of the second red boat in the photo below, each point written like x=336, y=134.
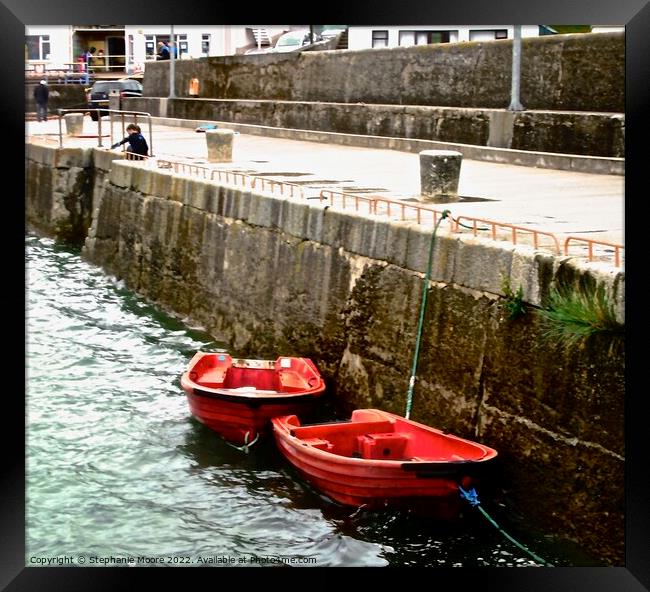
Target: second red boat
x=380, y=459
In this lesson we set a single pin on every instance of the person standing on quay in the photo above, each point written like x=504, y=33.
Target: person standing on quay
x=41, y=96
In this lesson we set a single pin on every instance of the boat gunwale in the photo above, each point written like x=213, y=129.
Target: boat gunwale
x=276, y=398
x=410, y=464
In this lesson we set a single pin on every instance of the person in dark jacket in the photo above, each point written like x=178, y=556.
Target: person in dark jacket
x=41, y=96
x=163, y=51
x=138, y=147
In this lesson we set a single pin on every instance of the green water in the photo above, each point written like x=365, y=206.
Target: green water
x=119, y=473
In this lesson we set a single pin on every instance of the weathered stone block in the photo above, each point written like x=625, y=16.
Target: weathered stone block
x=295, y=218
x=481, y=264
x=121, y=174
x=162, y=184
x=70, y=157
x=102, y=159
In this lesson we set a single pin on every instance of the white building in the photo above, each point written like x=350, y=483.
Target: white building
x=405, y=36
x=126, y=48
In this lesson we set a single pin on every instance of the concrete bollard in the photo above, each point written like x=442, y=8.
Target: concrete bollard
x=439, y=175
x=219, y=145
x=74, y=124
x=114, y=100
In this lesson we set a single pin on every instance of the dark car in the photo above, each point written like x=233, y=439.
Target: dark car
x=97, y=95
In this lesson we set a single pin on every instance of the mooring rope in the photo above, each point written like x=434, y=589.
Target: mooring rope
x=472, y=497
x=423, y=306
x=246, y=446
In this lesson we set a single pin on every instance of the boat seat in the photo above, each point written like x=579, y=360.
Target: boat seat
x=212, y=378
x=348, y=430
x=383, y=446
x=292, y=381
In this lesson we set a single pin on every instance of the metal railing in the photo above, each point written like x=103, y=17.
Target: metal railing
x=79, y=71
x=618, y=250
x=232, y=178
x=423, y=214
x=376, y=205
x=514, y=231
x=112, y=113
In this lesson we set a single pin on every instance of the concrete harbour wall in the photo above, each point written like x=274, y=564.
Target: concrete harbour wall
x=572, y=87
x=580, y=72
x=591, y=134
x=269, y=275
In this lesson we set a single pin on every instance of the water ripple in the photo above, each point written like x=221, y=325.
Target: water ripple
x=117, y=467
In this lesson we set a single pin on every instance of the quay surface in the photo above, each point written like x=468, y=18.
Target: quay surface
x=558, y=201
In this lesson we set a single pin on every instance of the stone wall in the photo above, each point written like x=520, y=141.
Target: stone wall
x=269, y=275
x=61, y=186
x=588, y=134
x=581, y=72
x=572, y=87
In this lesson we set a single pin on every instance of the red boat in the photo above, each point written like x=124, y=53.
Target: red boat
x=236, y=397
x=378, y=459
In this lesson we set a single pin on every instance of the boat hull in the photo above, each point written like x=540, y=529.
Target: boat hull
x=367, y=476
x=238, y=398
x=241, y=422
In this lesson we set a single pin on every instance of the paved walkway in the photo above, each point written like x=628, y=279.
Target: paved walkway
x=561, y=202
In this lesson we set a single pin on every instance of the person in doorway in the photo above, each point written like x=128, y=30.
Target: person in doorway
x=138, y=147
x=87, y=57
x=100, y=60
x=41, y=96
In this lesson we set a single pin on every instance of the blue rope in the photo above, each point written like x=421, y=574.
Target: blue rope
x=472, y=497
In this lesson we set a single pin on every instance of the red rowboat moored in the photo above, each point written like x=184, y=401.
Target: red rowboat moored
x=237, y=397
x=379, y=459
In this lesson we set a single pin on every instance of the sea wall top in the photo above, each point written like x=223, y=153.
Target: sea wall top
x=581, y=72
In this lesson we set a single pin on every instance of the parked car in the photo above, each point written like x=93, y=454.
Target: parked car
x=97, y=94
x=330, y=31
x=292, y=41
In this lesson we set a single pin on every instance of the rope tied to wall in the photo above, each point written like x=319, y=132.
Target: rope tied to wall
x=472, y=498
x=423, y=306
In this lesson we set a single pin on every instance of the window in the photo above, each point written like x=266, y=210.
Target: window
x=150, y=46
x=37, y=47
x=130, y=49
x=380, y=38
x=181, y=41
x=205, y=44
x=408, y=38
x=487, y=34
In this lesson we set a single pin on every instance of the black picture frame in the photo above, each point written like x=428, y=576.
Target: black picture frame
x=634, y=14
